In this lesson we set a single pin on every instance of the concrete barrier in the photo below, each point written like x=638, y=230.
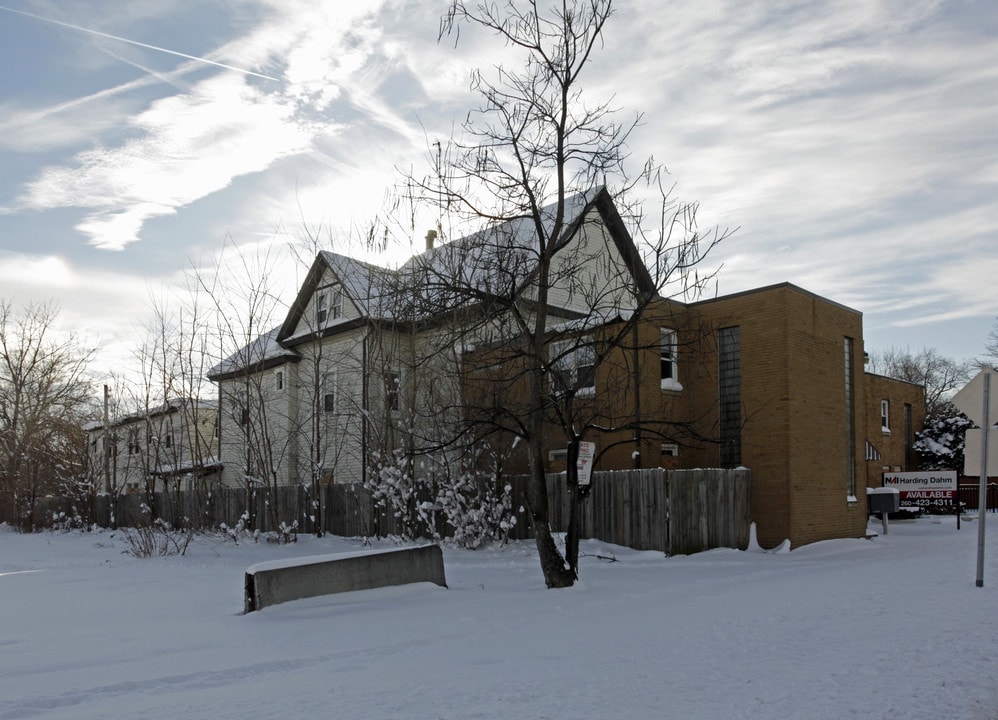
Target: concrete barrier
x=270, y=583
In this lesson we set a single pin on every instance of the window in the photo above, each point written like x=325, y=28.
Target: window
x=908, y=440
x=240, y=413
x=560, y=455
x=329, y=392
x=573, y=366
x=328, y=305
x=279, y=379
x=730, y=395
x=321, y=308
x=392, y=381
x=670, y=450
x=850, y=425
x=669, y=351
x=885, y=416
x=336, y=304
x=133, y=442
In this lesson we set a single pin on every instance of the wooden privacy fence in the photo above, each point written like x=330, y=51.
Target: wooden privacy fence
x=676, y=511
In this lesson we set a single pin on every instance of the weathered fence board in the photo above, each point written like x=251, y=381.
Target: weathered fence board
x=677, y=512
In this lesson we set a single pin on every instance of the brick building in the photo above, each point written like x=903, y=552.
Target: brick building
x=771, y=379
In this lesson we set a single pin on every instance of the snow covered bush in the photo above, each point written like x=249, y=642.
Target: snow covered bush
x=240, y=530
x=157, y=539
x=478, y=511
x=65, y=522
x=443, y=495
x=395, y=489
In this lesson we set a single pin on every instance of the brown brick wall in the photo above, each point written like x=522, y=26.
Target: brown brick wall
x=793, y=406
x=893, y=444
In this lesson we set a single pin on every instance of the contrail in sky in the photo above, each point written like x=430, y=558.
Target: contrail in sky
x=137, y=43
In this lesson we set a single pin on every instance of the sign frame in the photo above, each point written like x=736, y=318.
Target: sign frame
x=926, y=489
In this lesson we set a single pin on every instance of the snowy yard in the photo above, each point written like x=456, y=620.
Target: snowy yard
x=888, y=628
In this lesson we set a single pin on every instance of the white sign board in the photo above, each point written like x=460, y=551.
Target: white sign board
x=972, y=451
x=970, y=400
x=934, y=488
x=587, y=453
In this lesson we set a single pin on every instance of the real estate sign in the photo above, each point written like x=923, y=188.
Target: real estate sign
x=930, y=489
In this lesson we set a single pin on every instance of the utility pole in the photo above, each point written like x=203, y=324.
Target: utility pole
x=107, y=445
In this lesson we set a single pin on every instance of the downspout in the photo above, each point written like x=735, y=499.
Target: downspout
x=365, y=390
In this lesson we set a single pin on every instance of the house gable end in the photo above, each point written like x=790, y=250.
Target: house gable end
x=337, y=290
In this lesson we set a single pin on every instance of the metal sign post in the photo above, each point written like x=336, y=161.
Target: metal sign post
x=967, y=400
x=982, y=499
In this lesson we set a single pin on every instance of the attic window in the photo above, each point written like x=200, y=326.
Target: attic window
x=328, y=305
x=321, y=308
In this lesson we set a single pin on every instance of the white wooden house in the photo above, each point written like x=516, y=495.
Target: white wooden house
x=367, y=362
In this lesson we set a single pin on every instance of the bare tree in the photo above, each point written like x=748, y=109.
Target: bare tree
x=45, y=398
x=940, y=375
x=254, y=436
x=546, y=288
x=991, y=347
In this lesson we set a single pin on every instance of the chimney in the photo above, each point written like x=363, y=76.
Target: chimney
x=431, y=236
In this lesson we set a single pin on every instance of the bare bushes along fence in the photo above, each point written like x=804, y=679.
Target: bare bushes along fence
x=677, y=511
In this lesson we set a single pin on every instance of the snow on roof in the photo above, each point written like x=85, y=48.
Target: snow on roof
x=494, y=262
x=365, y=283
x=261, y=351
x=172, y=405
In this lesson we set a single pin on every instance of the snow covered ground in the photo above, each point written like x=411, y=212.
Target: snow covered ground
x=886, y=628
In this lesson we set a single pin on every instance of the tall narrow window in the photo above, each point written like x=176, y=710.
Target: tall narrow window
x=908, y=440
x=668, y=350
x=585, y=364
x=730, y=395
x=279, y=380
x=850, y=422
x=885, y=415
x=336, y=304
x=329, y=392
x=392, y=381
x=321, y=308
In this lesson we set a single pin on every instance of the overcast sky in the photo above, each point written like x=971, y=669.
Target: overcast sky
x=852, y=142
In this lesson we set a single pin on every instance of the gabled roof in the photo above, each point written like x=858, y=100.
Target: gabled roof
x=363, y=284
x=496, y=262
x=171, y=406
x=261, y=354
x=502, y=260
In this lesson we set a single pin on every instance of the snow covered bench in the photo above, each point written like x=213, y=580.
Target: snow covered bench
x=277, y=581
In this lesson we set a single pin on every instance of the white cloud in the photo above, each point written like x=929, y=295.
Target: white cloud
x=189, y=146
